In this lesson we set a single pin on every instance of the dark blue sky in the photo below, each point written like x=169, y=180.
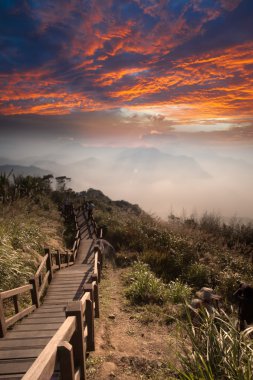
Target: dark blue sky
x=180, y=64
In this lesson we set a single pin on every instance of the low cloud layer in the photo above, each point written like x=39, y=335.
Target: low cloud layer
x=173, y=178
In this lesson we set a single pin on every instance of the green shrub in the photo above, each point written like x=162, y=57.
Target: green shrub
x=217, y=350
x=144, y=286
x=178, y=292
x=198, y=275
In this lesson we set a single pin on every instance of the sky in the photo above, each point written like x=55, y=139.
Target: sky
x=152, y=99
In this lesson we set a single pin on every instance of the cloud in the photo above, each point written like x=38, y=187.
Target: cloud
x=193, y=59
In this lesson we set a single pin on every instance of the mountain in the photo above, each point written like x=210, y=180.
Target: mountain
x=155, y=164
x=23, y=170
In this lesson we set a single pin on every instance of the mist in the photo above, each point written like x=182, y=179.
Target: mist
x=162, y=178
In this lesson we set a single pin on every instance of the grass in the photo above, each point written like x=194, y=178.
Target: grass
x=26, y=228
x=144, y=287
x=215, y=349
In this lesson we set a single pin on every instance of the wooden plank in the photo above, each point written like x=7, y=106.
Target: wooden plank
x=13, y=292
x=48, y=314
x=18, y=354
x=19, y=365
x=47, y=303
x=45, y=307
x=31, y=342
x=67, y=297
x=10, y=321
x=60, y=293
x=30, y=321
x=17, y=376
x=66, y=282
x=29, y=334
x=37, y=326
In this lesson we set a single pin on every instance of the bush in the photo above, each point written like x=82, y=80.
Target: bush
x=144, y=286
x=198, y=275
x=178, y=292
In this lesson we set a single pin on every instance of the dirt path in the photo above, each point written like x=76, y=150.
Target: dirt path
x=125, y=348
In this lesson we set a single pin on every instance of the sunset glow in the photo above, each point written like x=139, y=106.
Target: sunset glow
x=172, y=75
x=66, y=56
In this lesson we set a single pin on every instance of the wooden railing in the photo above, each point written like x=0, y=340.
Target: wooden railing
x=97, y=263
x=51, y=262
x=14, y=295
x=66, y=351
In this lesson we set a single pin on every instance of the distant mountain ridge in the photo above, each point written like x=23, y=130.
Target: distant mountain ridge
x=23, y=170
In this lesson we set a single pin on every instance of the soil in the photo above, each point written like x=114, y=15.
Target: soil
x=126, y=348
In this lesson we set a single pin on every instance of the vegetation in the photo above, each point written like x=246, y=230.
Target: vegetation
x=29, y=222
x=144, y=286
x=216, y=349
x=26, y=228
x=198, y=253
x=184, y=254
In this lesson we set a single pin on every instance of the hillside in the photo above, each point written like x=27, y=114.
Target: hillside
x=144, y=331
x=204, y=252
x=26, y=228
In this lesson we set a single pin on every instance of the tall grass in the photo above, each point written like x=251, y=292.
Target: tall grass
x=25, y=229
x=214, y=349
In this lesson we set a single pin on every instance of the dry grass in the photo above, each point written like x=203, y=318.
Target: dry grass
x=25, y=229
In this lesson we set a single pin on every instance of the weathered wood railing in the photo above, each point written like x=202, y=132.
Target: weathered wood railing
x=51, y=262
x=97, y=263
x=14, y=295
x=66, y=351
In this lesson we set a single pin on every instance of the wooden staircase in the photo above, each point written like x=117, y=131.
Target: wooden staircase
x=52, y=341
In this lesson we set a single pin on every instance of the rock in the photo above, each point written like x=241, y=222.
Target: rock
x=111, y=316
x=108, y=369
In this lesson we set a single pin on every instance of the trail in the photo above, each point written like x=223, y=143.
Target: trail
x=125, y=348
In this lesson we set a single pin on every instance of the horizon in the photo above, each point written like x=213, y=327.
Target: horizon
x=147, y=100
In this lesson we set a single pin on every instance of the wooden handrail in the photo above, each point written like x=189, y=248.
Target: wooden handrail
x=44, y=365
x=10, y=321
x=13, y=292
x=67, y=348
x=44, y=284
x=42, y=265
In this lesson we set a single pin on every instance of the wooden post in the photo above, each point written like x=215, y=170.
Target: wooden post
x=35, y=291
x=49, y=265
x=99, y=272
x=75, y=309
x=96, y=300
x=67, y=254
x=89, y=317
x=3, y=329
x=66, y=359
x=16, y=304
x=58, y=258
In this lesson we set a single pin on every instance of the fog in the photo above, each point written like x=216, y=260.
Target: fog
x=163, y=178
